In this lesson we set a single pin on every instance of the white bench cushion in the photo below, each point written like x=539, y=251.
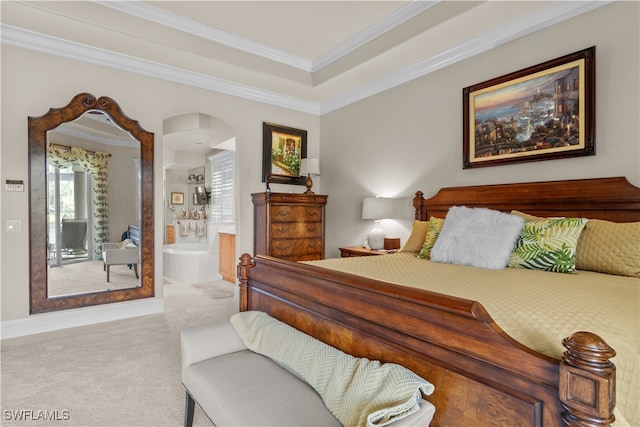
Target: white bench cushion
x=248, y=389
x=237, y=387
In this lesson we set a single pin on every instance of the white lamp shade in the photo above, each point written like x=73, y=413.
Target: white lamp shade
x=310, y=166
x=377, y=208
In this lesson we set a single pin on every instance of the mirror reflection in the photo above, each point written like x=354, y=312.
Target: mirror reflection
x=93, y=207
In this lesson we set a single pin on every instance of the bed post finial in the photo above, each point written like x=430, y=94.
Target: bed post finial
x=246, y=262
x=587, y=381
x=417, y=205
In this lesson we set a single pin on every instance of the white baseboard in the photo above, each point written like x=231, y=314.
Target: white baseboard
x=46, y=322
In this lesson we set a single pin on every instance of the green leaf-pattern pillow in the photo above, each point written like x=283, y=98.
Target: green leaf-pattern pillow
x=433, y=231
x=548, y=244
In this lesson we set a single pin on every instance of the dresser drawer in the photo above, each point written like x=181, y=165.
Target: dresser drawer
x=286, y=248
x=280, y=230
x=285, y=213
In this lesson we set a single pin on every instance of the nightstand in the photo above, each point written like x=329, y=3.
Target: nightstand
x=351, y=251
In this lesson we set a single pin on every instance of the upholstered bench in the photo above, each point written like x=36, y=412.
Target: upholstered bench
x=236, y=386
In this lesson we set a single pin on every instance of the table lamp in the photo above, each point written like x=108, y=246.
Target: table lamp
x=310, y=167
x=377, y=208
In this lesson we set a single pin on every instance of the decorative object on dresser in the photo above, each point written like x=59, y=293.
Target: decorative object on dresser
x=352, y=251
x=377, y=208
x=289, y=226
x=310, y=167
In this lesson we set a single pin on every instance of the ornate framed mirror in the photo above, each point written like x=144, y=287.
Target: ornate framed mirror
x=87, y=221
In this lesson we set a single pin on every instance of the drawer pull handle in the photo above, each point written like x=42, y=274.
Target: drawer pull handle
x=282, y=214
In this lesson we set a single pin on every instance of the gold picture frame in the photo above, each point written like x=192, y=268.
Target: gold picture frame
x=539, y=113
x=177, y=198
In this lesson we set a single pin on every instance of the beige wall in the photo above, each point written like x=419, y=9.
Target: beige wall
x=33, y=82
x=410, y=138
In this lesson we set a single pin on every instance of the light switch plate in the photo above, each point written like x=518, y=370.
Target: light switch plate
x=14, y=225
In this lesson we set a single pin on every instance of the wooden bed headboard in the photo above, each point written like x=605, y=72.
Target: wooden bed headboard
x=613, y=199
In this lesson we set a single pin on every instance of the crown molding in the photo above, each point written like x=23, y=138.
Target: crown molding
x=145, y=11
x=19, y=37
x=82, y=134
x=546, y=16
x=150, y=13
x=392, y=21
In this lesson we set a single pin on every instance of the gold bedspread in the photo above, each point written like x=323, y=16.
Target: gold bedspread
x=536, y=308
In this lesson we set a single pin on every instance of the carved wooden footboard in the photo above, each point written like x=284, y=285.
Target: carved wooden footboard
x=481, y=375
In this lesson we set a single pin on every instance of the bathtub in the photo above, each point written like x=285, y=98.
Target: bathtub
x=190, y=263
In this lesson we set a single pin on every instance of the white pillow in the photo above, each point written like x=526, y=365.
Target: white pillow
x=479, y=237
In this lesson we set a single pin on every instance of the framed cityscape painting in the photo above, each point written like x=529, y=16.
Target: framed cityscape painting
x=283, y=149
x=539, y=113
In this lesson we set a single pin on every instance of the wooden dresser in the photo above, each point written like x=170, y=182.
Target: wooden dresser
x=289, y=226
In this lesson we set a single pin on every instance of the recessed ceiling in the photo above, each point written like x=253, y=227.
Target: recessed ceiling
x=311, y=56
x=98, y=127
x=307, y=29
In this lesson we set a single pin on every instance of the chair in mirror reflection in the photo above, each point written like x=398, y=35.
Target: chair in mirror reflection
x=125, y=252
x=74, y=237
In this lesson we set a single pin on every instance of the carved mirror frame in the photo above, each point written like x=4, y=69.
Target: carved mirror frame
x=38, y=128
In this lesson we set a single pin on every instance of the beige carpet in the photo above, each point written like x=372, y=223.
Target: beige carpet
x=213, y=290
x=121, y=373
x=89, y=276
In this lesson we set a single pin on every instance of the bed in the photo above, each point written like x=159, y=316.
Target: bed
x=482, y=375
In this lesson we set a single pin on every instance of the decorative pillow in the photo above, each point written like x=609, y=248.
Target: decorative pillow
x=416, y=238
x=610, y=247
x=606, y=247
x=548, y=244
x=433, y=230
x=479, y=237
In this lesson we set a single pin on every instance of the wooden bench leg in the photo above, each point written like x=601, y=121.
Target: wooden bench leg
x=135, y=269
x=189, y=408
x=108, y=266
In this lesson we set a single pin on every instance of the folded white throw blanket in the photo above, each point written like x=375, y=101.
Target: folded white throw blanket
x=357, y=391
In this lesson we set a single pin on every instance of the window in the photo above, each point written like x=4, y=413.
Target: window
x=222, y=187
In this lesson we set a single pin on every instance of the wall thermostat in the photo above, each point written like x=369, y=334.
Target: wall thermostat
x=14, y=185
